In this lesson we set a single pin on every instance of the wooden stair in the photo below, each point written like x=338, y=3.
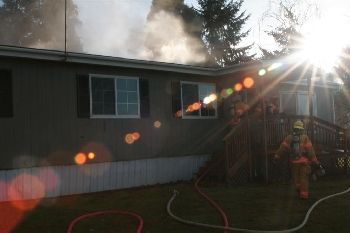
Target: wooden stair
x=233, y=163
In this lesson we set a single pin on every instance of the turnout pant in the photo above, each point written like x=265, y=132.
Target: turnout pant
x=300, y=177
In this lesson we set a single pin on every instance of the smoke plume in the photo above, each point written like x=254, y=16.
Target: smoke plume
x=121, y=29
x=39, y=24
x=166, y=40
x=104, y=27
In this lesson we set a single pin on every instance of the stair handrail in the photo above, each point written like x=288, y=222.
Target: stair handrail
x=236, y=144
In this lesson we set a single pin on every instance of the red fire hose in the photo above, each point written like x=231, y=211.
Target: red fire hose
x=140, y=219
x=212, y=202
x=117, y=212
x=226, y=227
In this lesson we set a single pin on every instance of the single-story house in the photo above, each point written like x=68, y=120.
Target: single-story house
x=77, y=123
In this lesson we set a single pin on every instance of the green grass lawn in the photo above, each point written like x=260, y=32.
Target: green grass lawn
x=257, y=206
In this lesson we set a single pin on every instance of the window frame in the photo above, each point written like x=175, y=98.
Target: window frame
x=115, y=78
x=297, y=108
x=199, y=116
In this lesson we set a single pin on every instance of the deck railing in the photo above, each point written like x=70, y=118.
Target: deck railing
x=330, y=141
x=237, y=154
x=326, y=136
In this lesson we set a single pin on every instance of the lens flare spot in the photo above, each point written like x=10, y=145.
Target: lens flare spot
x=18, y=192
x=101, y=151
x=136, y=136
x=196, y=106
x=157, y=124
x=274, y=66
x=49, y=178
x=10, y=216
x=91, y=155
x=229, y=91
x=248, y=82
x=212, y=97
x=129, y=139
x=190, y=108
x=224, y=93
x=238, y=87
x=80, y=159
x=262, y=72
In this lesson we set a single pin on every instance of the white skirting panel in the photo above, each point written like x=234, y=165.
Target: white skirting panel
x=54, y=181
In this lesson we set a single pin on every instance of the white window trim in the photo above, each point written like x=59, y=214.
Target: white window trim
x=114, y=77
x=297, y=100
x=198, y=117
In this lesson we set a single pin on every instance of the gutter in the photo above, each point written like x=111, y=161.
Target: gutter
x=80, y=58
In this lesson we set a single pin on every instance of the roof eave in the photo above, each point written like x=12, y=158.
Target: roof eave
x=80, y=58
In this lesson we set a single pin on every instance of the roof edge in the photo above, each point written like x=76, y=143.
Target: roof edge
x=80, y=58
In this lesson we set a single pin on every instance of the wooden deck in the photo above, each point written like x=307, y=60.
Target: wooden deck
x=253, y=140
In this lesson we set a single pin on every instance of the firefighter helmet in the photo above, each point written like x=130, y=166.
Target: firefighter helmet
x=298, y=125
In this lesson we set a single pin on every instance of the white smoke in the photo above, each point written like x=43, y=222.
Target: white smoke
x=107, y=25
x=121, y=29
x=166, y=40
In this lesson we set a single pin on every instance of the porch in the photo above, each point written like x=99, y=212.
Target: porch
x=249, y=147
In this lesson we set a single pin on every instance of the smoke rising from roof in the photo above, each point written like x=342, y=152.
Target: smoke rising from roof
x=117, y=28
x=166, y=40
x=38, y=24
x=121, y=29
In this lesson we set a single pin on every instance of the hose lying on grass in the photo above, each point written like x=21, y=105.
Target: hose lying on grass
x=250, y=230
x=93, y=214
x=212, y=202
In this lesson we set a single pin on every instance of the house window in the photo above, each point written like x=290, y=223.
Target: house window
x=195, y=100
x=114, y=96
x=288, y=103
x=127, y=97
x=296, y=103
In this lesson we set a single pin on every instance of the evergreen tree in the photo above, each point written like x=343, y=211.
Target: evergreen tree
x=286, y=35
x=290, y=16
x=39, y=24
x=222, y=31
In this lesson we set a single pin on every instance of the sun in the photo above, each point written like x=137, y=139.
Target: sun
x=324, y=41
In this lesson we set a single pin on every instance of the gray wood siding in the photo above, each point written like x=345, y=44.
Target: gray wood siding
x=45, y=129
x=67, y=180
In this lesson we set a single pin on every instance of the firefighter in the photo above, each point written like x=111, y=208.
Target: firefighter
x=301, y=155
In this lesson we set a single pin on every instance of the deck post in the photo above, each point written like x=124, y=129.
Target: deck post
x=311, y=108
